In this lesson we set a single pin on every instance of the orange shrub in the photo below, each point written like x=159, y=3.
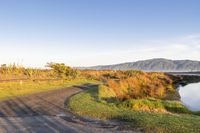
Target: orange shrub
x=134, y=84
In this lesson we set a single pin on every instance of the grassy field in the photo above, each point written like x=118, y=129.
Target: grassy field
x=14, y=89
x=88, y=104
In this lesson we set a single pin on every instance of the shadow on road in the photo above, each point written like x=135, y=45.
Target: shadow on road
x=38, y=112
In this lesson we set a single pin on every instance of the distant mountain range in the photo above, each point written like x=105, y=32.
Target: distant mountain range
x=158, y=64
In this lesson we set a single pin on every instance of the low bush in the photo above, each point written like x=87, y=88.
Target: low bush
x=135, y=84
x=62, y=71
x=154, y=105
x=104, y=92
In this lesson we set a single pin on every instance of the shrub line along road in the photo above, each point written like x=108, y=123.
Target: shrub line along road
x=46, y=113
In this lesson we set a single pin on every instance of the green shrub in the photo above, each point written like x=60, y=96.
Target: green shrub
x=104, y=92
x=63, y=71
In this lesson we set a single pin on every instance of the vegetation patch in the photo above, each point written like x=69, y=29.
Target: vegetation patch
x=143, y=101
x=135, y=84
x=88, y=104
x=154, y=105
x=53, y=71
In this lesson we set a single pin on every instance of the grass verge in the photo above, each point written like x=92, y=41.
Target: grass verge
x=14, y=89
x=87, y=104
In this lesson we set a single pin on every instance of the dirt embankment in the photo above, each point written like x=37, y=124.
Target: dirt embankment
x=187, y=79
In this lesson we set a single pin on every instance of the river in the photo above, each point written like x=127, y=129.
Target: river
x=190, y=96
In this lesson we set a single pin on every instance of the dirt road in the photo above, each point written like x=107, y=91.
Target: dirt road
x=46, y=113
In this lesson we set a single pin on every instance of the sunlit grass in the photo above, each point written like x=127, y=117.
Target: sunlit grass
x=14, y=89
x=88, y=104
x=133, y=84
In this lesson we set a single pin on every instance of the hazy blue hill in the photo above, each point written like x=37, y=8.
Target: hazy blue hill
x=159, y=64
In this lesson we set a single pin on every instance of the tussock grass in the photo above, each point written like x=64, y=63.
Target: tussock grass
x=133, y=84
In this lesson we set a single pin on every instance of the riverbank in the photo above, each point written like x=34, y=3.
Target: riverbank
x=184, y=78
x=147, y=102
x=87, y=104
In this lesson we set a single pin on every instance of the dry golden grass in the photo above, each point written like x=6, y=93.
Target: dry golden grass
x=133, y=84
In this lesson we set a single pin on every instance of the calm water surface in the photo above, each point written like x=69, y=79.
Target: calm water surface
x=190, y=96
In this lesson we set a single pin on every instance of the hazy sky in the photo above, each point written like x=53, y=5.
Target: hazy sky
x=93, y=32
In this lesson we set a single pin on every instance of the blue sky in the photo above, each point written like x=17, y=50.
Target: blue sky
x=93, y=32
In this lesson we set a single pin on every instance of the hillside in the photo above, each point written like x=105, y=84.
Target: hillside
x=159, y=64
